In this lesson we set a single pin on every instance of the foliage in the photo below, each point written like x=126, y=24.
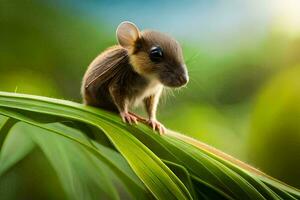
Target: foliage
x=275, y=126
x=95, y=155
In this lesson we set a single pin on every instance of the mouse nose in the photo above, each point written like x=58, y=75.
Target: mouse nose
x=183, y=79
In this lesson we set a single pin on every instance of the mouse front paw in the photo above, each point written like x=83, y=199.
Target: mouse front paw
x=156, y=125
x=127, y=117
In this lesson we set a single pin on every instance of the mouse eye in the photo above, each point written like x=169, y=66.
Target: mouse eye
x=156, y=54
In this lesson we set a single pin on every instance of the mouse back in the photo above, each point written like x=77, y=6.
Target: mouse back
x=106, y=66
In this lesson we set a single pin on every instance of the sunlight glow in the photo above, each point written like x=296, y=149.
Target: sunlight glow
x=287, y=16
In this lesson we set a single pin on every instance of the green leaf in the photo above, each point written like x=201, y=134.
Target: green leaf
x=132, y=183
x=74, y=165
x=15, y=146
x=128, y=159
x=4, y=129
x=183, y=175
x=156, y=176
x=260, y=180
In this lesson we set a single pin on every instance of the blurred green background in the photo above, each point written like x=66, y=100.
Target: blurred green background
x=243, y=59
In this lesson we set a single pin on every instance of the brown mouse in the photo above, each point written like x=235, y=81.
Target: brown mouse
x=135, y=71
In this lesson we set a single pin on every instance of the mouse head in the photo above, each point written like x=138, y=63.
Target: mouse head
x=153, y=54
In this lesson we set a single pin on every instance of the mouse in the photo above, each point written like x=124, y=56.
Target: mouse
x=135, y=72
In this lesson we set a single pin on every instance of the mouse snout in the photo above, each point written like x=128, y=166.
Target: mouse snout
x=183, y=75
x=177, y=77
x=183, y=79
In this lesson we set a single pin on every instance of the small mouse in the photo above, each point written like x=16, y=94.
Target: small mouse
x=135, y=71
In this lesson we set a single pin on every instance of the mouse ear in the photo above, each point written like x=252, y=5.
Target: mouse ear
x=127, y=34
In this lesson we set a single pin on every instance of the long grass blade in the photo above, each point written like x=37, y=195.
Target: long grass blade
x=159, y=179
